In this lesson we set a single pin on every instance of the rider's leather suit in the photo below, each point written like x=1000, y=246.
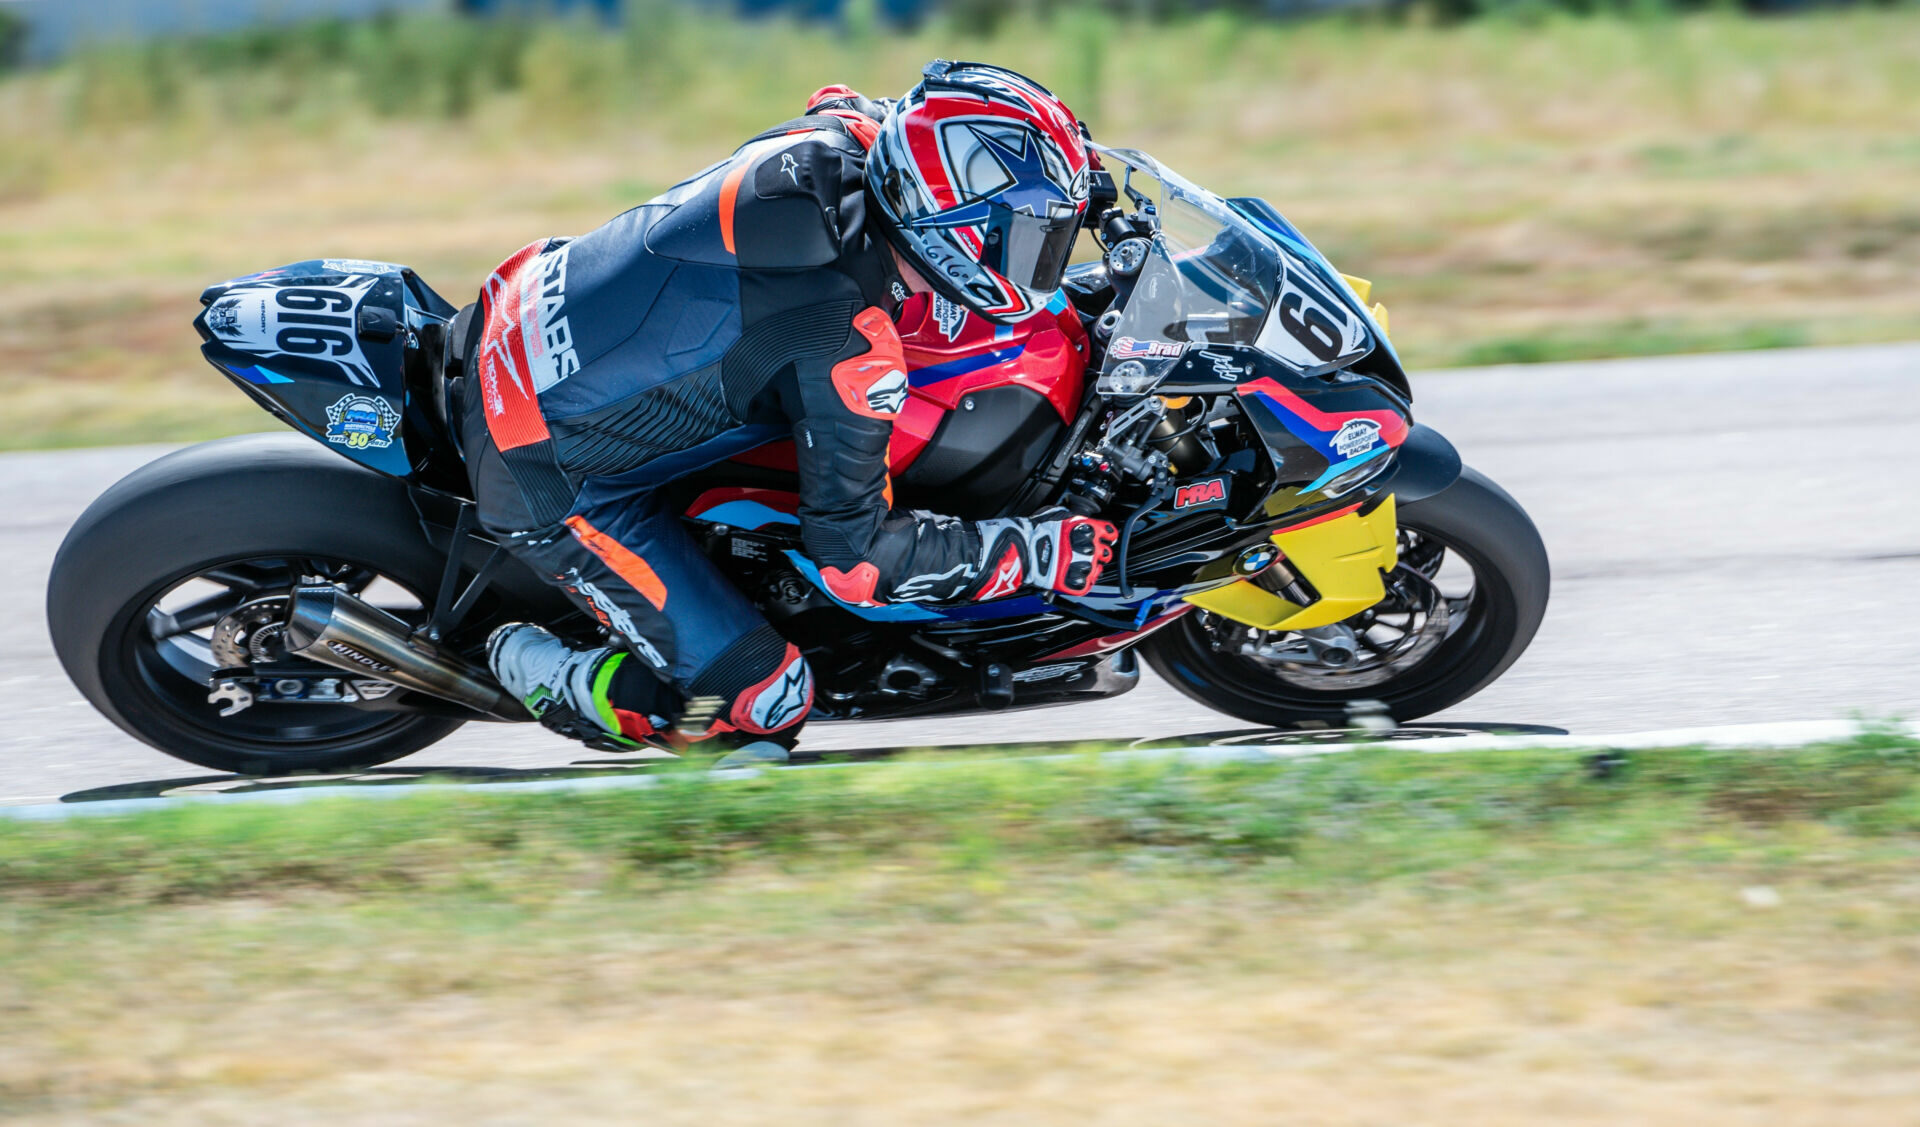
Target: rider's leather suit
x=749, y=303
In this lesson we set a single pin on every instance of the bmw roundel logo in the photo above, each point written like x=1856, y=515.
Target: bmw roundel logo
x=1256, y=559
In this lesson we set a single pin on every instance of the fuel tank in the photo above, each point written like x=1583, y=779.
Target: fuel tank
x=985, y=404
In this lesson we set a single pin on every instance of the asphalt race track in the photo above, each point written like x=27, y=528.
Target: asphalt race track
x=1735, y=538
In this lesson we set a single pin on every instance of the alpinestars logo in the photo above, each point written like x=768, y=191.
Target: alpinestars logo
x=929, y=588
x=888, y=394
x=784, y=701
x=1006, y=576
x=543, y=325
x=613, y=617
x=791, y=167
x=951, y=316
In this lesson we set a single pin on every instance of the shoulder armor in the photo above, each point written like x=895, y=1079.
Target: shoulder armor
x=779, y=203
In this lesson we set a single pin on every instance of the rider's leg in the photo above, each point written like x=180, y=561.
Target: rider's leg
x=685, y=639
x=739, y=678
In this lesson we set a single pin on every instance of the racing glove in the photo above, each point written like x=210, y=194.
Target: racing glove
x=1054, y=551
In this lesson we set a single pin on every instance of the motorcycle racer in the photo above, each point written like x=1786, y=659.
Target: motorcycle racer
x=752, y=302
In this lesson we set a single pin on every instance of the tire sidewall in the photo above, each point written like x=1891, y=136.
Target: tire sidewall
x=213, y=504
x=1512, y=577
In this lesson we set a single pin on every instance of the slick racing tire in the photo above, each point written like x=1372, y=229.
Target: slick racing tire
x=1482, y=529
x=259, y=510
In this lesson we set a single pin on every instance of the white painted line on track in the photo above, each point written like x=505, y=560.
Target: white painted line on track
x=1771, y=735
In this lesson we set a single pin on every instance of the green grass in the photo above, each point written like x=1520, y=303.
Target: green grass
x=1340, y=819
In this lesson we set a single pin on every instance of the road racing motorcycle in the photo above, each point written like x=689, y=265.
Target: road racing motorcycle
x=1291, y=540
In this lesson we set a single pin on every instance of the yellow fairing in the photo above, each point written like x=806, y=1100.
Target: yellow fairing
x=1341, y=558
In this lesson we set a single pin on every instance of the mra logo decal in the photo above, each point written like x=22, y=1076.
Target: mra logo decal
x=1201, y=493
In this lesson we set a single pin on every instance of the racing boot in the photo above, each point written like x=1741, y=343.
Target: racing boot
x=571, y=691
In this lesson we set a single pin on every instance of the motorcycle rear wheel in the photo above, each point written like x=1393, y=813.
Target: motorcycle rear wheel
x=1476, y=521
x=259, y=511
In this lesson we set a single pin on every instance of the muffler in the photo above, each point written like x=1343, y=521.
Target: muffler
x=330, y=626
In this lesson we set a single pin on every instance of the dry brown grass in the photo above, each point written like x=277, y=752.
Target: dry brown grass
x=1037, y=1000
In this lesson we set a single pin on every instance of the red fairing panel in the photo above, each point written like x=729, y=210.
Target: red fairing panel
x=951, y=353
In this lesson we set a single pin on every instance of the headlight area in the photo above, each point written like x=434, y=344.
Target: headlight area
x=1348, y=477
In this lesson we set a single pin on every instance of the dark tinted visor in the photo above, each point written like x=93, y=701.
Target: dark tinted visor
x=1030, y=251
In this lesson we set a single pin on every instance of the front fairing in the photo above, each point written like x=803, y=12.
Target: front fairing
x=1218, y=274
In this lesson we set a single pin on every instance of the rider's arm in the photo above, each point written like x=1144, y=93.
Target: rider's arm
x=821, y=310
x=869, y=555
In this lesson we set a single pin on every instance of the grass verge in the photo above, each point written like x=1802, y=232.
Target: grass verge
x=1474, y=938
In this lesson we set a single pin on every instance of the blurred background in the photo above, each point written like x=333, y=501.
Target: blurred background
x=1524, y=180
x=1498, y=939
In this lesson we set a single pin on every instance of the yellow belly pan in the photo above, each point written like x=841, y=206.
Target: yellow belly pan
x=1342, y=559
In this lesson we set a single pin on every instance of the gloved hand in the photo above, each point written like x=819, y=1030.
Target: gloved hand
x=1070, y=552
x=1054, y=550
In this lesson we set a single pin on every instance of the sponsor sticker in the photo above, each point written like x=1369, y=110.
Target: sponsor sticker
x=362, y=422
x=223, y=317
x=951, y=316
x=1128, y=348
x=1357, y=437
x=1048, y=672
x=1225, y=367
x=1195, y=494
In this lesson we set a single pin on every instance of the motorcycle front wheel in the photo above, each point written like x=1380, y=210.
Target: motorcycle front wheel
x=1461, y=607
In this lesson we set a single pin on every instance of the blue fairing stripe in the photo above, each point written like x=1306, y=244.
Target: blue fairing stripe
x=1320, y=440
x=921, y=377
x=259, y=375
x=1336, y=470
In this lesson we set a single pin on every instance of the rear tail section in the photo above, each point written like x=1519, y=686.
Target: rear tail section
x=343, y=350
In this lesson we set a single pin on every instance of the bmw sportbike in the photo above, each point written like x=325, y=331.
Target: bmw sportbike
x=1292, y=540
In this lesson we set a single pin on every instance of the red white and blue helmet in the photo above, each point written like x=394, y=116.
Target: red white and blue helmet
x=981, y=178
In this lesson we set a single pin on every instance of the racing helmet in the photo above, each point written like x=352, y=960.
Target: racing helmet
x=980, y=176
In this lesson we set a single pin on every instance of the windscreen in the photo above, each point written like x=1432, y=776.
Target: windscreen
x=1214, y=277
x=1209, y=279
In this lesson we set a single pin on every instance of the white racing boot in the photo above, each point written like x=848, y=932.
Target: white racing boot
x=562, y=687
